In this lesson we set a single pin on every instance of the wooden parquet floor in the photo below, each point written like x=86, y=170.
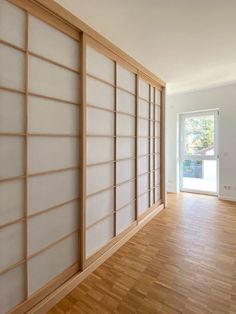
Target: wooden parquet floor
x=183, y=261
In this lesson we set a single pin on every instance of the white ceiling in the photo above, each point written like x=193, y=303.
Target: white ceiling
x=190, y=44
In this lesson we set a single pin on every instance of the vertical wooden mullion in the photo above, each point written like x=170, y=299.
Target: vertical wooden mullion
x=83, y=157
x=154, y=140
x=149, y=147
x=162, y=147
x=115, y=146
x=136, y=143
x=26, y=190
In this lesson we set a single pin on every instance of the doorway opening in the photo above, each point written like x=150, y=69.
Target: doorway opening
x=199, y=152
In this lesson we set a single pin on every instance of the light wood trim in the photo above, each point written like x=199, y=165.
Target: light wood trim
x=12, y=90
x=115, y=148
x=83, y=151
x=53, y=171
x=48, y=17
x=41, y=212
x=53, y=134
x=3, y=271
x=53, y=298
x=136, y=143
x=36, y=55
x=149, y=146
x=53, y=98
x=5, y=43
x=162, y=149
x=26, y=186
x=110, y=110
x=12, y=178
x=126, y=91
x=96, y=78
x=154, y=134
x=13, y=222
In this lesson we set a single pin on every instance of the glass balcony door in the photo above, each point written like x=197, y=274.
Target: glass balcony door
x=199, y=152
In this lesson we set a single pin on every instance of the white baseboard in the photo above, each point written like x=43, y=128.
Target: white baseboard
x=227, y=198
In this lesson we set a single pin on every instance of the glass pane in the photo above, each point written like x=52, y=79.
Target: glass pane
x=200, y=175
x=199, y=135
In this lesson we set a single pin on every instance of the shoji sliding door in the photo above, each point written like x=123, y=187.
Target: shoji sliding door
x=111, y=127
x=81, y=140
x=149, y=126
x=125, y=148
x=39, y=154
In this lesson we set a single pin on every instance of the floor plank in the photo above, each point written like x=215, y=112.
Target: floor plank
x=183, y=261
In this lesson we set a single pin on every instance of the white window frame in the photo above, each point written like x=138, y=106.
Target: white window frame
x=183, y=156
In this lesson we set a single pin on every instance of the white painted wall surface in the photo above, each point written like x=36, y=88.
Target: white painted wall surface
x=222, y=98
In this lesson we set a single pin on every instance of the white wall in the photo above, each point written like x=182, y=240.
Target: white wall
x=222, y=98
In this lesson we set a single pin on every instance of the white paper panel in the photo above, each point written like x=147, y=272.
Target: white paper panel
x=125, y=147
x=11, y=289
x=157, y=176
x=51, y=80
x=12, y=65
x=152, y=160
x=99, y=65
x=152, y=140
x=158, y=195
x=143, y=109
x=157, y=160
x=157, y=113
x=100, y=149
x=52, y=189
x=11, y=156
x=49, y=116
x=11, y=112
x=53, y=225
x=125, y=102
x=157, y=130
x=152, y=111
x=98, y=235
x=48, y=42
x=99, y=94
x=143, y=148
x=157, y=145
x=125, y=193
x=143, y=127
x=125, y=170
x=143, y=203
x=99, y=206
x=143, y=183
x=13, y=33
x=11, y=200
x=125, y=79
x=12, y=245
x=52, y=262
x=152, y=94
x=157, y=97
x=152, y=180
x=125, y=125
x=100, y=122
x=143, y=164
x=50, y=153
x=143, y=89
x=152, y=197
x=152, y=125
x=99, y=177
x=125, y=217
